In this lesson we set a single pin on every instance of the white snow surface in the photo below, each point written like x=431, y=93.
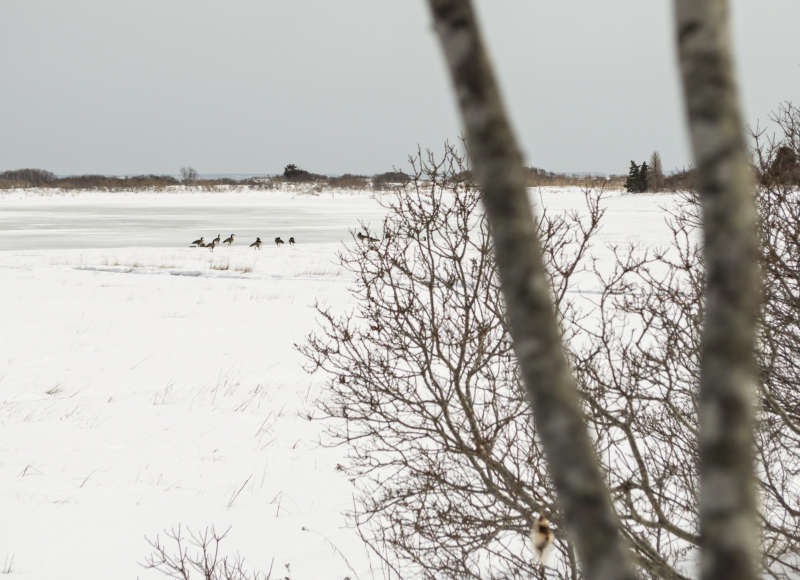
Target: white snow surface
x=144, y=383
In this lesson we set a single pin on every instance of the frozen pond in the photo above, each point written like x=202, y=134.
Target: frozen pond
x=91, y=220
x=38, y=221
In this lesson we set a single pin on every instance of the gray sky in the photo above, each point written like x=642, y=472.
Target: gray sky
x=112, y=86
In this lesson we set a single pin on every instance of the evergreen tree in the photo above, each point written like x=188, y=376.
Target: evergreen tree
x=632, y=182
x=642, y=178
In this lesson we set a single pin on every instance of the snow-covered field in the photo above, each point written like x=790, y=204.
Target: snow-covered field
x=144, y=383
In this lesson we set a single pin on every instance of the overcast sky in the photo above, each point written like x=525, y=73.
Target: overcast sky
x=113, y=86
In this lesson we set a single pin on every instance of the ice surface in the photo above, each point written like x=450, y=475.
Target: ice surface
x=31, y=220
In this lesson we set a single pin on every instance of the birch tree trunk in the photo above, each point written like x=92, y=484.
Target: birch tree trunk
x=728, y=514
x=582, y=494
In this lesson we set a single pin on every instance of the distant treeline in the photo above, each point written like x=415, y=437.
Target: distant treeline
x=292, y=174
x=40, y=178
x=537, y=177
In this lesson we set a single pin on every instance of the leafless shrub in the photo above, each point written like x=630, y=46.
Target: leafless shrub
x=423, y=387
x=349, y=181
x=389, y=179
x=538, y=177
x=681, y=180
x=640, y=372
x=424, y=390
x=197, y=555
x=220, y=184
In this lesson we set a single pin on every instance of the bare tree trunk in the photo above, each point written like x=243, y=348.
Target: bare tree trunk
x=582, y=494
x=728, y=514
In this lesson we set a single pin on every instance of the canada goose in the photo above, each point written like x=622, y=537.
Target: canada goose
x=542, y=539
x=198, y=242
x=217, y=239
x=212, y=245
x=291, y=241
x=278, y=241
x=256, y=244
x=228, y=241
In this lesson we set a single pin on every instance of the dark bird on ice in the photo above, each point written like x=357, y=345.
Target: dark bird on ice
x=212, y=245
x=199, y=242
x=278, y=241
x=256, y=244
x=228, y=241
x=291, y=241
x=217, y=239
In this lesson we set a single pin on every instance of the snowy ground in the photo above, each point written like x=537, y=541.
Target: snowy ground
x=144, y=383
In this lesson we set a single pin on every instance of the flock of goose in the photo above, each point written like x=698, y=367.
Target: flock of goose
x=200, y=243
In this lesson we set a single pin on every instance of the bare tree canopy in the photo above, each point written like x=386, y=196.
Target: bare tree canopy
x=728, y=513
x=424, y=390
x=642, y=446
x=497, y=165
x=188, y=174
